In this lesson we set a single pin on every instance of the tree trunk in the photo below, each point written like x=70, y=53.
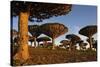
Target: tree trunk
x=35, y=42
x=38, y=44
x=31, y=43
x=53, y=43
x=45, y=43
x=80, y=46
x=90, y=42
x=23, y=54
x=70, y=46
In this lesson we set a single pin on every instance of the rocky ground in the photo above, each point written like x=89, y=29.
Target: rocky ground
x=47, y=56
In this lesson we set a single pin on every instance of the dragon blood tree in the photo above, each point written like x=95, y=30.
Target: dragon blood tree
x=53, y=30
x=73, y=40
x=65, y=43
x=44, y=40
x=89, y=31
x=35, y=31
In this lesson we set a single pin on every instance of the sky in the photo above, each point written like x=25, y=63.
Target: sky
x=79, y=17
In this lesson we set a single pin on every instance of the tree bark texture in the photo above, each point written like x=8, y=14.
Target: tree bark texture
x=23, y=53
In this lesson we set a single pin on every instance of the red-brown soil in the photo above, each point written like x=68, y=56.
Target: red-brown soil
x=48, y=56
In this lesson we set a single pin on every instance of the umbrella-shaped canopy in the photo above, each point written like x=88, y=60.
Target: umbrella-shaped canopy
x=43, y=39
x=40, y=11
x=54, y=30
x=34, y=30
x=80, y=41
x=73, y=40
x=88, y=30
x=65, y=41
x=73, y=37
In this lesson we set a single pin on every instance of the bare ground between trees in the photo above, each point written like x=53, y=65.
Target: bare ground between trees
x=47, y=56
